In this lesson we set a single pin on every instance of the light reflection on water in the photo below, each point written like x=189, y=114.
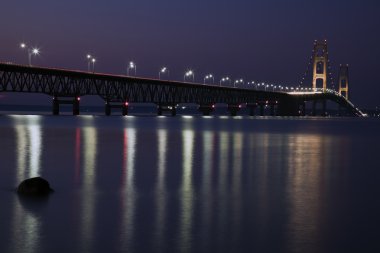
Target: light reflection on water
x=29, y=146
x=208, y=139
x=306, y=165
x=26, y=230
x=183, y=184
x=88, y=194
x=224, y=154
x=187, y=194
x=237, y=145
x=160, y=190
x=26, y=225
x=128, y=193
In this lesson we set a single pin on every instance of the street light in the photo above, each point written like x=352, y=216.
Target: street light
x=237, y=82
x=131, y=65
x=188, y=74
x=163, y=71
x=93, y=60
x=210, y=76
x=88, y=62
x=253, y=84
x=224, y=79
x=90, y=59
x=31, y=51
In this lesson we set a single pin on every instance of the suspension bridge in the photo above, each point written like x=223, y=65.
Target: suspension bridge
x=120, y=91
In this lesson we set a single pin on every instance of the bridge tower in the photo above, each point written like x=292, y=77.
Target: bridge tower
x=343, y=80
x=320, y=62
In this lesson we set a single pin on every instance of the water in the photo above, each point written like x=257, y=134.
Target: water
x=191, y=184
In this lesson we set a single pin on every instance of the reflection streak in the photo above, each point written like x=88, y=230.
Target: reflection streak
x=207, y=197
x=128, y=194
x=35, y=149
x=160, y=187
x=187, y=191
x=77, y=153
x=264, y=151
x=236, y=182
x=222, y=182
x=26, y=226
x=89, y=196
x=21, y=152
x=304, y=188
x=29, y=145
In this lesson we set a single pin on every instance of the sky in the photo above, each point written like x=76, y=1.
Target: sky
x=257, y=40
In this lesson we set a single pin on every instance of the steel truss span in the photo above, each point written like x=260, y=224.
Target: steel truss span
x=122, y=90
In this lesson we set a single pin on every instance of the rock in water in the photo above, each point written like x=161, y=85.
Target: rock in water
x=35, y=186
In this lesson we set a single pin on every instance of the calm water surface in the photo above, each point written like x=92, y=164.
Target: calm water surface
x=191, y=184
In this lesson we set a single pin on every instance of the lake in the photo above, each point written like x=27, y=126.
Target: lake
x=191, y=184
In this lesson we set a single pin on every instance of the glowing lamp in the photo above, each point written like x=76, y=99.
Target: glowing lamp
x=35, y=51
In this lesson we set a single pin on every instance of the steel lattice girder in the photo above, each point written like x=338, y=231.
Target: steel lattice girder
x=118, y=88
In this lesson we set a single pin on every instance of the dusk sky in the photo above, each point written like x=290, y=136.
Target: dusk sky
x=261, y=40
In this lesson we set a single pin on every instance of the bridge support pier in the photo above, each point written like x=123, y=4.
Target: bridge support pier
x=55, y=106
x=262, y=106
x=123, y=106
x=107, y=109
x=303, y=109
x=159, y=110
x=74, y=102
x=206, y=109
x=288, y=106
x=272, y=111
x=124, y=109
x=314, y=110
x=76, y=106
x=174, y=111
x=167, y=107
x=252, y=109
x=233, y=109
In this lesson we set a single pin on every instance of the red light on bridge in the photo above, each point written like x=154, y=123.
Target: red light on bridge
x=126, y=103
x=78, y=98
x=213, y=106
x=239, y=106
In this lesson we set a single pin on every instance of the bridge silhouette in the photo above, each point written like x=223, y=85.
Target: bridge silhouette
x=119, y=91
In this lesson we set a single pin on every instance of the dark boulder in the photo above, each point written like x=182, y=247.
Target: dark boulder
x=35, y=186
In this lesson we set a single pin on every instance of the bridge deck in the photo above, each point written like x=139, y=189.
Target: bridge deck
x=120, y=89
